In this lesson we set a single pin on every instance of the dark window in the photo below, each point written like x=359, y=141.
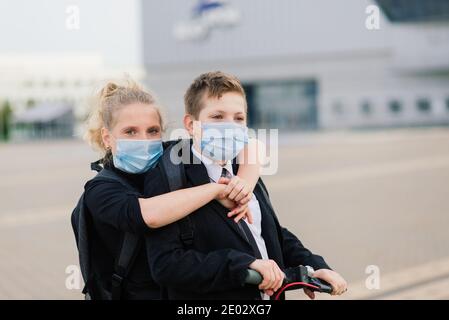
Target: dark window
x=366, y=108
x=414, y=10
x=423, y=105
x=253, y=120
x=282, y=104
x=395, y=106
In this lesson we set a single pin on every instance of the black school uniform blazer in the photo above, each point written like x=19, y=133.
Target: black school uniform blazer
x=215, y=265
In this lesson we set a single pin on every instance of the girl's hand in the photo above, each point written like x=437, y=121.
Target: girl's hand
x=337, y=282
x=241, y=212
x=238, y=211
x=236, y=190
x=220, y=194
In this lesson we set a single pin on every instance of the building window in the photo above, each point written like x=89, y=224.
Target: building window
x=337, y=108
x=447, y=104
x=366, y=108
x=289, y=104
x=423, y=105
x=395, y=106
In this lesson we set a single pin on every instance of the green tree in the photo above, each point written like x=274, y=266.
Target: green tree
x=5, y=121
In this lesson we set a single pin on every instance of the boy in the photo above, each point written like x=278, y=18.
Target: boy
x=215, y=264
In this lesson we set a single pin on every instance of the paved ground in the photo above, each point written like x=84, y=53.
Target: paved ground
x=358, y=198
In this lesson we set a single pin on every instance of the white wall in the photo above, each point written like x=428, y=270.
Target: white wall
x=321, y=40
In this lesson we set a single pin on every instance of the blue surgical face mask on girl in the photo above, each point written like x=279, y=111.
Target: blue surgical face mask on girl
x=223, y=141
x=137, y=156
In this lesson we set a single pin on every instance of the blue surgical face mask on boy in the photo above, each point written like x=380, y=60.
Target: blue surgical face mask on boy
x=222, y=141
x=137, y=156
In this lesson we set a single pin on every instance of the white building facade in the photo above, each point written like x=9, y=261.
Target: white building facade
x=305, y=64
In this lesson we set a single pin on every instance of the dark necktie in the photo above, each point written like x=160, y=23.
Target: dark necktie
x=242, y=224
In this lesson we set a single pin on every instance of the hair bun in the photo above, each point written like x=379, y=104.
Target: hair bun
x=109, y=89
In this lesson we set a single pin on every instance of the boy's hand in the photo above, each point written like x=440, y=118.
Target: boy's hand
x=237, y=190
x=272, y=275
x=337, y=282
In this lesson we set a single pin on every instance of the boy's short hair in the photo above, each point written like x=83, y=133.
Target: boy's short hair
x=214, y=85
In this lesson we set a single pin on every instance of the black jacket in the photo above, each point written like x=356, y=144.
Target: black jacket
x=115, y=210
x=214, y=267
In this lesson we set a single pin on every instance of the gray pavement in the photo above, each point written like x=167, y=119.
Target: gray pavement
x=358, y=198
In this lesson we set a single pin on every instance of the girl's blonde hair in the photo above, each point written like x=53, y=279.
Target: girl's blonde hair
x=111, y=98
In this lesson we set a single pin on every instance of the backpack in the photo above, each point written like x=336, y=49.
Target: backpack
x=131, y=243
x=81, y=224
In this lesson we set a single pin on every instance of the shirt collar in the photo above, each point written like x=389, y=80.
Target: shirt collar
x=213, y=169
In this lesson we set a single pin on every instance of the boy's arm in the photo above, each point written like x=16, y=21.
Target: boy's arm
x=174, y=266
x=296, y=254
x=293, y=251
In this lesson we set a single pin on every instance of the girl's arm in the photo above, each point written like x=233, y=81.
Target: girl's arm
x=240, y=187
x=249, y=168
x=167, y=208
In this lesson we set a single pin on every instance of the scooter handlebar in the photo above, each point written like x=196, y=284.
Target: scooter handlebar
x=253, y=277
x=292, y=275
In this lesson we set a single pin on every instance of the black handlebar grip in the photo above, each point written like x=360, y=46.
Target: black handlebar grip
x=298, y=274
x=322, y=285
x=253, y=277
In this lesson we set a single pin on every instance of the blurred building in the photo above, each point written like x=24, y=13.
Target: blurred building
x=307, y=64
x=28, y=80
x=44, y=121
x=48, y=92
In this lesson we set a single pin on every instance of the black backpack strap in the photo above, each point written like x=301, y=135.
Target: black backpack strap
x=80, y=227
x=130, y=247
x=173, y=168
x=96, y=166
x=128, y=253
x=111, y=175
x=187, y=234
